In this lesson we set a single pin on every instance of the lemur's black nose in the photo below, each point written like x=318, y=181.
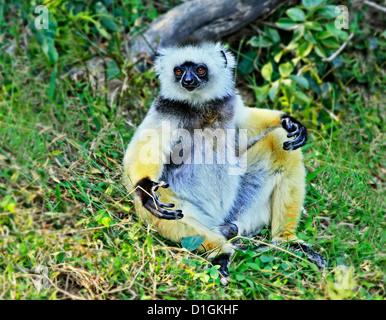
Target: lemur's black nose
x=188, y=81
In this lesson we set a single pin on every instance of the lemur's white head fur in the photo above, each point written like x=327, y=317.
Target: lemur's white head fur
x=220, y=64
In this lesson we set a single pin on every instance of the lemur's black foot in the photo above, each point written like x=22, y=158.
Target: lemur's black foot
x=223, y=260
x=311, y=255
x=295, y=129
x=146, y=190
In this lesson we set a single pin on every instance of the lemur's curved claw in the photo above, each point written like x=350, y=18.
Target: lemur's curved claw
x=146, y=191
x=160, y=212
x=295, y=129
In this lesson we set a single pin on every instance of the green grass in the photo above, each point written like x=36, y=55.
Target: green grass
x=63, y=206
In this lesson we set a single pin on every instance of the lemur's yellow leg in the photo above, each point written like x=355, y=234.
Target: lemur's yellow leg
x=287, y=200
x=220, y=250
x=175, y=230
x=289, y=189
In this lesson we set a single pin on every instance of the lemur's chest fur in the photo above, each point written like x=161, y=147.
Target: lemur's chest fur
x=203, y=155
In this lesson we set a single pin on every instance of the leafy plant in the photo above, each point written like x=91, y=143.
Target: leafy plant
x=297, y=47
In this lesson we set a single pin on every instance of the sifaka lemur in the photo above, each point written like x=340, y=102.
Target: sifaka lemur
x=224, y=168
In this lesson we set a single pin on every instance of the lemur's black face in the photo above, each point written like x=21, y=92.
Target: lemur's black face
x=191, y=75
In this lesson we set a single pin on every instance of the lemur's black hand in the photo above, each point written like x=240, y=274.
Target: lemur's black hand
x=295, y=128
x=146, y=190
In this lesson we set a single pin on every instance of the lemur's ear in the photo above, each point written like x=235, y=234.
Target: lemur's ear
x=225, y=58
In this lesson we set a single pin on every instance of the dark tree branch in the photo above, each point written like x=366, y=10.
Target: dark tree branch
x=204, y=20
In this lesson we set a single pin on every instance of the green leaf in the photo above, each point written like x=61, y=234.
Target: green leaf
x=106, y=19
x=308, y=36
x=324, y=35
x=295, y=61
x=273, y=91
x=301, y=81
x=300, y=98
x=265, y=259
x=261, y=92
x=260, y=42
x=338, y=33
x=254, y=266
x=52, y=53
x=286, y=23
x=296, y=14
x=319, y=51
x=284, y=266
x=246, y=66
x=278, y=56
x=102, y=30
x=313, y=25
x=105, y=221
x=273, y=34
x=109, y=23
x=331, y=43
x=343, y=35
x=305, y=49
x=311, y=4
x=152, y=14
x=327, y=12
x=315, y=76
x=266, y=71
x=292, y=45
x=213, y=273
x=251, y=283
x=240, y=277
x=56, y=153
x=298, y=33
x=112, y=70
x=45, y=38
x=192, y=243
x=285, y=69
x=286, y=83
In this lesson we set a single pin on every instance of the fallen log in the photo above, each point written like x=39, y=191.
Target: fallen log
x=204, y=20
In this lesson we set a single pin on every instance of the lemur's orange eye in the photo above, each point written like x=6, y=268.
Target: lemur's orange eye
x=177, y=71
x=200, y=70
